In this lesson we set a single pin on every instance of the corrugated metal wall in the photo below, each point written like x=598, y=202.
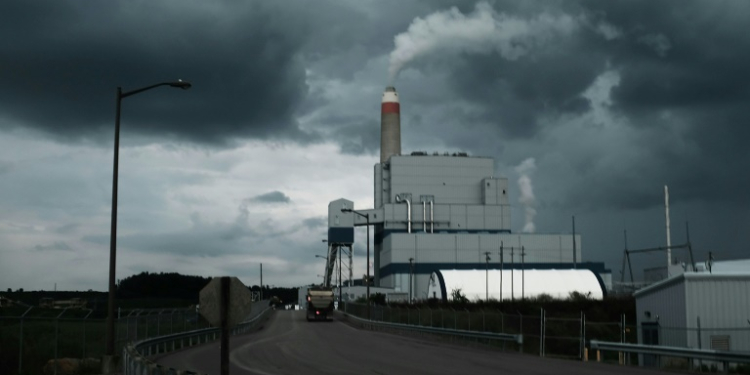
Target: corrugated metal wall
x=721, y=301
x=668, y=304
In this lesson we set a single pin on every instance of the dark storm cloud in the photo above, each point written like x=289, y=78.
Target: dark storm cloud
x=63, y=60
x=680, y=99
x=271, y=197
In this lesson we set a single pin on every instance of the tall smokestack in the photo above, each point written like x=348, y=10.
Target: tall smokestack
x=390, y=125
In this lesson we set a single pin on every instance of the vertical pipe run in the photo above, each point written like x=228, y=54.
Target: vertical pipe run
x=432, y=218
x=424, y=216
x=405, y=199
x=408, y=215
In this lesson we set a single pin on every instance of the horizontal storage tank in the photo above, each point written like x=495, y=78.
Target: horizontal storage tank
x=477, y=284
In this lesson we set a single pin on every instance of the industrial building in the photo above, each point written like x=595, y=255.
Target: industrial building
x=442, y=211
x=699, y=310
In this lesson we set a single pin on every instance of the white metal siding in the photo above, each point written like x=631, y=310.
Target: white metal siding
x=668, y=304
x=378, y=188
x=720, y=302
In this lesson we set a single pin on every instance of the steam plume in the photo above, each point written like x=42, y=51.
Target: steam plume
x=527, y=193
x=481, y=31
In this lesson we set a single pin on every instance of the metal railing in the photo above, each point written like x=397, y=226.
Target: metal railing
x=725, y=357
x=490, y=336
x=561, y=335
x=135, y=355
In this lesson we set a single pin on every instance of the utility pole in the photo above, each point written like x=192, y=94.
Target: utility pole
x=501, y=271
x=523, y=274
x=512, y=277
x=575, y=256
x=261, y=281
x=487, y=276
x=411, y=270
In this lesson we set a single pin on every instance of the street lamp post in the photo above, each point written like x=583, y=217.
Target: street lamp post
x=367, y=264
x=110, y=349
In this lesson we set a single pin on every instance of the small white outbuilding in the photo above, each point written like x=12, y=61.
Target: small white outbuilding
x=514, y=284
x=699, y=310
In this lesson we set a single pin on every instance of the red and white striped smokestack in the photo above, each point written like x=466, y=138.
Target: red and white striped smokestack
x=390, y=125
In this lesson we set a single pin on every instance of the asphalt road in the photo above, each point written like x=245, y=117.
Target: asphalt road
x=288, y=344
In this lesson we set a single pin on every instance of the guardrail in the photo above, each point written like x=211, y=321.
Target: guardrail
x=711, y=355
x=135, y=359
x=371, y=324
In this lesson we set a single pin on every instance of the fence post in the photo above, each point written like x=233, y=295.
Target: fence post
x=20, y=341
x=700, y=362
x=57, y=324
x=581, y=351
x=583, y=328
x=484, y=322
x=520, y=326
x=502, y=322
x=84, y=332
x=621, y=355
x=541, y=332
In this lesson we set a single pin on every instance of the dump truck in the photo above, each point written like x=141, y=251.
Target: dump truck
x=319, y=303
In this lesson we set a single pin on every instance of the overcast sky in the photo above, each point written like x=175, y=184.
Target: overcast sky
x=612, y=101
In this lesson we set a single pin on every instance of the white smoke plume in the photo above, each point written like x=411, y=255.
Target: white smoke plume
x=482, y=31
x=524, y=169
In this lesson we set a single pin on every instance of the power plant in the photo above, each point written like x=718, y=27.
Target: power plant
x=441, y=211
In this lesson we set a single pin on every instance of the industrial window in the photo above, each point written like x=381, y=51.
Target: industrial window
x=720, y=342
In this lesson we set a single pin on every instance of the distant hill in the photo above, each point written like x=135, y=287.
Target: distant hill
x=169, y=285
x=144, y=290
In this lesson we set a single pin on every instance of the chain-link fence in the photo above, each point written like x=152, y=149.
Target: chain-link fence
x=33, y=340
x=545, y=333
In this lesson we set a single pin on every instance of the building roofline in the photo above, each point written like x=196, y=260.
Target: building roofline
x=691, y=276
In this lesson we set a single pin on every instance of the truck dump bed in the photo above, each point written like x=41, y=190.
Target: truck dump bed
x=319, y=303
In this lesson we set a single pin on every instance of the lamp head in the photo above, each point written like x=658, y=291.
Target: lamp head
x=181, y=84
x=346, y=210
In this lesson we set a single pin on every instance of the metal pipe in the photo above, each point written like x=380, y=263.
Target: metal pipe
x=408, y=212
x=432, y=218
x=424, y=216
